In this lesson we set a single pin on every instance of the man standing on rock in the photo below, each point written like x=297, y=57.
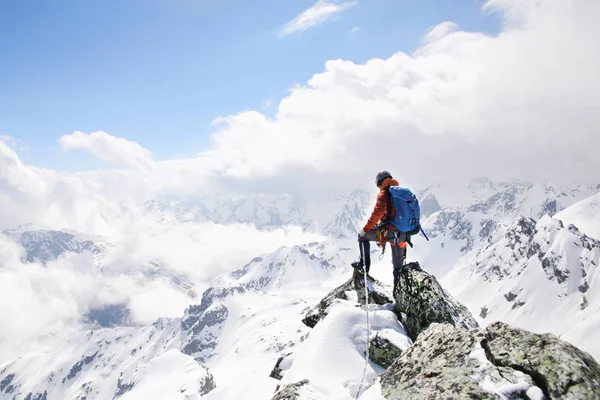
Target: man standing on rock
x=378, y=229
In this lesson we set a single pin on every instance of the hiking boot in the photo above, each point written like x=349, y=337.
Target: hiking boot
x=358, y=265
x=414, y=266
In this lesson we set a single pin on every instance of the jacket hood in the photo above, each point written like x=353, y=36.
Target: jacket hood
x=389, y=182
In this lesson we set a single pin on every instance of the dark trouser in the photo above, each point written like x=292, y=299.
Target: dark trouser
x=398, y=253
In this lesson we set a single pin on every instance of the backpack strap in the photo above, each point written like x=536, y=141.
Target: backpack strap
x=388, y=216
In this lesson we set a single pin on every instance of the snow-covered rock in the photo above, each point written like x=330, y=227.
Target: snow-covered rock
x=353, y=289
x=497, y=362
x=333, y=357
x=421, y=301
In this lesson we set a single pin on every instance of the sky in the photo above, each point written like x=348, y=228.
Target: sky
x=159, y=72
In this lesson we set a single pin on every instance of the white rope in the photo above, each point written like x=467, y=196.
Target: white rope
x=368, y=334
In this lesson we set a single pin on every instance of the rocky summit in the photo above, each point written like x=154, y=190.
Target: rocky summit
x=450, y=356
x=498, y=362
x=421, y=301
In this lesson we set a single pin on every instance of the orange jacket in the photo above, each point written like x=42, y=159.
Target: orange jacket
x=381, y=205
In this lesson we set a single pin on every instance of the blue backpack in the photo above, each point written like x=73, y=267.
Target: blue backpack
x=408, y=212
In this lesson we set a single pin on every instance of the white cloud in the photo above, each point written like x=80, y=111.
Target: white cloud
x=320, y=12
x=440, y=30
x=509, y=105
x=50, y=299
x=113, y=150
x=14, y=143
x=355, y=29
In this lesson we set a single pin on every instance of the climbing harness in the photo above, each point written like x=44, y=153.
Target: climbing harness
x=368, y=335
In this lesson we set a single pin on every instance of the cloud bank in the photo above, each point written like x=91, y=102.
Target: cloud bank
x=115, y=151
x=520, y=104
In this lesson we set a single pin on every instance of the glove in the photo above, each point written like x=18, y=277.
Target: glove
x=361, y=233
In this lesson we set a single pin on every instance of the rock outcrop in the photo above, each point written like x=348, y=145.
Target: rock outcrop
x=355, y=288
x=421, y=301
x=277, y=371
x=498, y=362
x=298, y=391
x=202, y=323
x=383, y=352
x=291, y=391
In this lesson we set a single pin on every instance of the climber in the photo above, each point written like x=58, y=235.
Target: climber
x=378, y=229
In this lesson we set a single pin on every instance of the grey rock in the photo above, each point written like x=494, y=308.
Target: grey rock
x=201, y=323
x=207, y=384
x=421, y=301
x=78, y=367
x=503, y=202
x=202, y=340
x=122, y=388
x=484, y=312
x=276, y=372
x=7, y=384
x=497, y=362
x=290, y=391
x=453, y=222
x=548, y=208
x=40, y=396
x=559, y=369
x=436, y=366
x=383, y=352
x=376, y=296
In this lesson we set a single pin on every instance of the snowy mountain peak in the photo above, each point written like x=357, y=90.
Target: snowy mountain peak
x=352, y=215
x=562, y=253
x=43, y=245
x=284, y=267
x=257, y=209
x=584, y=214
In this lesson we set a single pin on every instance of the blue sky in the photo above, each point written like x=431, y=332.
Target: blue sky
x=158, y=72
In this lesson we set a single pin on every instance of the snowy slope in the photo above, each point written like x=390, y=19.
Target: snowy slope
x=237, y=332
x=332, y=358
x=542, y=276
x=585, y=215
x=107, y=363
